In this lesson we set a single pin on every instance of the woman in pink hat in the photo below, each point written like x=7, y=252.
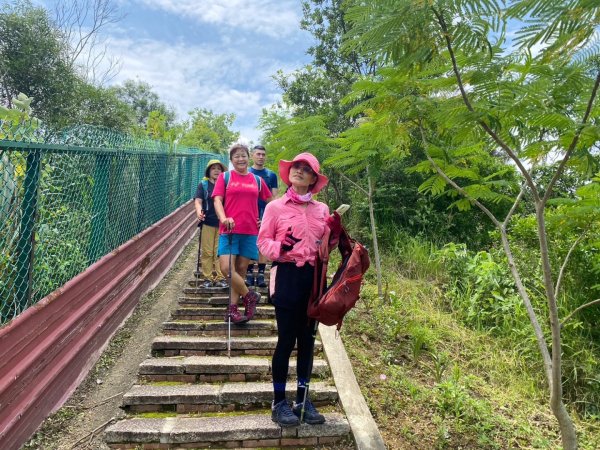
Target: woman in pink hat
x=290, y=235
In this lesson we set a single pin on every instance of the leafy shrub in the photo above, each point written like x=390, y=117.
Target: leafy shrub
x=481, y=292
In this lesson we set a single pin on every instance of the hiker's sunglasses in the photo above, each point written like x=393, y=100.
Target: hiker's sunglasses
x=303, y=167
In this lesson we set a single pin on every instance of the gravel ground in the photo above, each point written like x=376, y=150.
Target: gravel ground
x=95, y=403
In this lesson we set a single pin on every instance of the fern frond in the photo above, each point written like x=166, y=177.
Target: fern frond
x=434, y=185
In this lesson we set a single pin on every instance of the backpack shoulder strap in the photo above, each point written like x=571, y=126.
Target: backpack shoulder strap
x=206, y=205
x=258, y=182
x=226, y=176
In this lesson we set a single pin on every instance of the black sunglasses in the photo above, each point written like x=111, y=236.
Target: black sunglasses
x=304, y=167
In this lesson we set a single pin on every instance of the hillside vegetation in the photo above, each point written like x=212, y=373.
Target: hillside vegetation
x=431, y=381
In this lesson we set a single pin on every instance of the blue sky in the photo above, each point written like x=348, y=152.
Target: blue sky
x=215, y=54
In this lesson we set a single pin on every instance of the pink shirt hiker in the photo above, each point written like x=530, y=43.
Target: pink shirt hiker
x=307, y=223
x=241, y=201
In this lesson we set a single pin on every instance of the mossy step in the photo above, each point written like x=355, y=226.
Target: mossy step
x=210, y=312
x=185, y=398
x=205, y=300
x=193, y=291
x=215, y=368
x=197, y=288
x=201, y=275
x=220, y=328
x=247, y=431
x=259, y=345
x=198, y=283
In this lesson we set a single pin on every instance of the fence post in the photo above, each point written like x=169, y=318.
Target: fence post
x=188, y=179
x=195, y=171
x=141, y=209
x=97, y=244
x=179, y=181
x=163, y=173
x=26, y=243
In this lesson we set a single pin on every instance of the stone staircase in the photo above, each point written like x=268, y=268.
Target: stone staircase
x=190, y=394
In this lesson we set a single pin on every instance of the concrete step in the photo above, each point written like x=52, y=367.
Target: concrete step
x=203, y=300
x=199, y=274
x=196, y=288
x=247, y=431
x=188, y=398
x=218, y=300
x=216, y=345
x=213, y=312
x=197, y=282
x=200, y=291
x=219, y=328
x=216, y=369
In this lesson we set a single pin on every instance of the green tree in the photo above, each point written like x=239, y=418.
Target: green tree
x=317, y=89
x=33, y=60
x=36, y=60
x=143, y=100
x=209, y=131
x=98, y=106
x=456, y=88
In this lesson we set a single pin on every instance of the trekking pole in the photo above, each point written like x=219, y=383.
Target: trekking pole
x=310, y=368
x=199, y=250
x=230, y=237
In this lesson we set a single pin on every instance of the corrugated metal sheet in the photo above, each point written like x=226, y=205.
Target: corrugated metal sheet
x=47, y=350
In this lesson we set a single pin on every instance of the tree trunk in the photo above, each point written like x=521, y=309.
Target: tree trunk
x=567, y=428
x=568, y=433
x=537, y=329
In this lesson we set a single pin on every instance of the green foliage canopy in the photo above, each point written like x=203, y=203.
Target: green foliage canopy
x=143, y=100
x=33, y=60
x=209, y=131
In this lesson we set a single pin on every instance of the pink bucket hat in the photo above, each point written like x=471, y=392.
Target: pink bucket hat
x=308, y=158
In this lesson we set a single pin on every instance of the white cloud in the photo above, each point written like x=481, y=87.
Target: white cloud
x=223, y=80
x=218, y=54
x=274, y=18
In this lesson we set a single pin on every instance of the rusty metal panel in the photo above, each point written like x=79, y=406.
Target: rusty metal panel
x=47, y=350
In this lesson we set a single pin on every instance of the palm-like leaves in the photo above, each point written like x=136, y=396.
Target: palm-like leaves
x=562, y=27
x=514, y=100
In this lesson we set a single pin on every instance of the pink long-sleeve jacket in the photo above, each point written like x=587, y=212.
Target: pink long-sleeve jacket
x=307, y=223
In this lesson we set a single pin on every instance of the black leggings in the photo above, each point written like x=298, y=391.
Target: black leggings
x=292, y=290
x=292, y=328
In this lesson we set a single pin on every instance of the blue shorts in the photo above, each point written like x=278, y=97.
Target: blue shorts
x=241, y=244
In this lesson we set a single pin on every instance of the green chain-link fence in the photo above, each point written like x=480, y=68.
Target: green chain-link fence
x=68, y=198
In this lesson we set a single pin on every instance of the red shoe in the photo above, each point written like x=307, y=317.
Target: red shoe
x=236, y=316
x=250, y=300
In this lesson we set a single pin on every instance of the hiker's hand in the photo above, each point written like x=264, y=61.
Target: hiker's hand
x=228, y=223
x=201, y=216
x=289, y=241
x=334, y=222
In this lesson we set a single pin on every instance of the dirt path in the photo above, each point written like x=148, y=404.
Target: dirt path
x=79, y=423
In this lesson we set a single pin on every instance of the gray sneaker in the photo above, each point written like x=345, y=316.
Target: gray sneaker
x=221, y=284
x=207, y=284
x=282, y=414
x=311, y=415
